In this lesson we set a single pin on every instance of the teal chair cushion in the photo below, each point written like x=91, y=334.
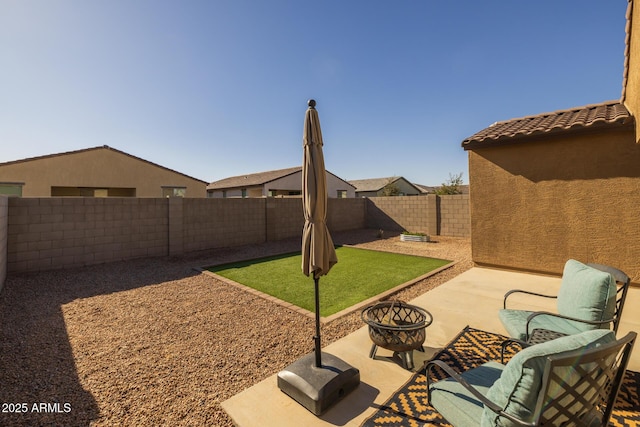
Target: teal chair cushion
x=586, y=293
x=455, y=403
x=517, y=389
x=515, y=322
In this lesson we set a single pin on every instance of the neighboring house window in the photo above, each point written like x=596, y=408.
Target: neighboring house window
x=244, y=193
x=174, y=191
x=295, y=193
x=224, y=194
x=342, y=194
x=273, y=193
x=92, y=192
x=11, y=189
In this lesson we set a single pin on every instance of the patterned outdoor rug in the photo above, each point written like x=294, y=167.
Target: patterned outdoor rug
x=472, y=347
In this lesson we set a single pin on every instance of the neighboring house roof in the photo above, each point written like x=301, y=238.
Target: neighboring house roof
x=575, y=119
x=255, y=179
x=426, y=188
x=372, y=184
x=377, y=184
x=103, y=147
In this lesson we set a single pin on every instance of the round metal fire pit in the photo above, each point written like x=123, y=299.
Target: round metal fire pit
x=397, y=326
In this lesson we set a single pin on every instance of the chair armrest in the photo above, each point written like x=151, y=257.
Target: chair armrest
x=560, y=316
x=488, y=403
x=521, y=291
x=462, y=381
x=508, y=343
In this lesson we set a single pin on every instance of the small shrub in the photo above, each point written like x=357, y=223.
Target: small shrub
x=409, y=233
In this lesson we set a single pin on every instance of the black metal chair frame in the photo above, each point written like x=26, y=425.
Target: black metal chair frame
x=594, y=372
x=537, y=336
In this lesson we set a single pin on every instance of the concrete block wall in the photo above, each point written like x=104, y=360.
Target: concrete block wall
x=386, y=213
x=399, y=213
x=4, y=229
x=455, y=217
x=284, y=218
x=433, y=215
x=217, y=223
x=346, y=214
x=50, y=233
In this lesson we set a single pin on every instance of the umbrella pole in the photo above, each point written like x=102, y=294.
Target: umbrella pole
x=307, y=381
x=316, y=338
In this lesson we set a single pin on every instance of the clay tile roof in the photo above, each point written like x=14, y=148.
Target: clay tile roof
x=575, y=119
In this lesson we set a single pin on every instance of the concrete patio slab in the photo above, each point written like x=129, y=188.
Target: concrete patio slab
x=472, y=298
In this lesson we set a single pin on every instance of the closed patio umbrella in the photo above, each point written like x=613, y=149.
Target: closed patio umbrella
x=312, y=382
x=318, y=252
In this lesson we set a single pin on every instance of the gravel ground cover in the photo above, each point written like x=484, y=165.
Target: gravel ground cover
x=154, y=342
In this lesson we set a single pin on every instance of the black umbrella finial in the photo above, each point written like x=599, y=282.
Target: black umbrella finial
x=311, y=103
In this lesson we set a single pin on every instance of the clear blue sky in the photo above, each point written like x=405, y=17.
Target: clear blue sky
x=219, y=88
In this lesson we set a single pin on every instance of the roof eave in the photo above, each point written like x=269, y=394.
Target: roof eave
x=541, y=136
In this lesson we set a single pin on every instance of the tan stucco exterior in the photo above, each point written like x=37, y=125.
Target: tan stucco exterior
x=537, y=203
x=102, y=171
x=631, y=90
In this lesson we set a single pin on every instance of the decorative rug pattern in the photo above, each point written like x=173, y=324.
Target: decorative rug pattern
x=471, y=348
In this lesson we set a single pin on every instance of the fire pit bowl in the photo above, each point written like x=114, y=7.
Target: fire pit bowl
x=397, y=326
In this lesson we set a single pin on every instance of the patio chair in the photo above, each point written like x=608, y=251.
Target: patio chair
x=591, y=296
x=573, y=380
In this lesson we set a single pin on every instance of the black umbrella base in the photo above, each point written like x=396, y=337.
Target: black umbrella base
x=317, y=389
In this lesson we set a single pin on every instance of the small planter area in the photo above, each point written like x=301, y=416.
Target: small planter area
x=414, y=237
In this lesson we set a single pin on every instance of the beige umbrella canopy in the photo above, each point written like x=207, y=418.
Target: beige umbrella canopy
x=315, y=385
x=318, y=252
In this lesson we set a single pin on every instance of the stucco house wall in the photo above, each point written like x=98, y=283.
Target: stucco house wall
x=406, y=188
x=235, y=193
x=536, y=204
x=562, y=185
x=631, y=83
x=335, y=184
x=100, y=167
x=286, y=184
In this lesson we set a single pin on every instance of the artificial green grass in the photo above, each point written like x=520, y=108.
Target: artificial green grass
x=359, y=274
